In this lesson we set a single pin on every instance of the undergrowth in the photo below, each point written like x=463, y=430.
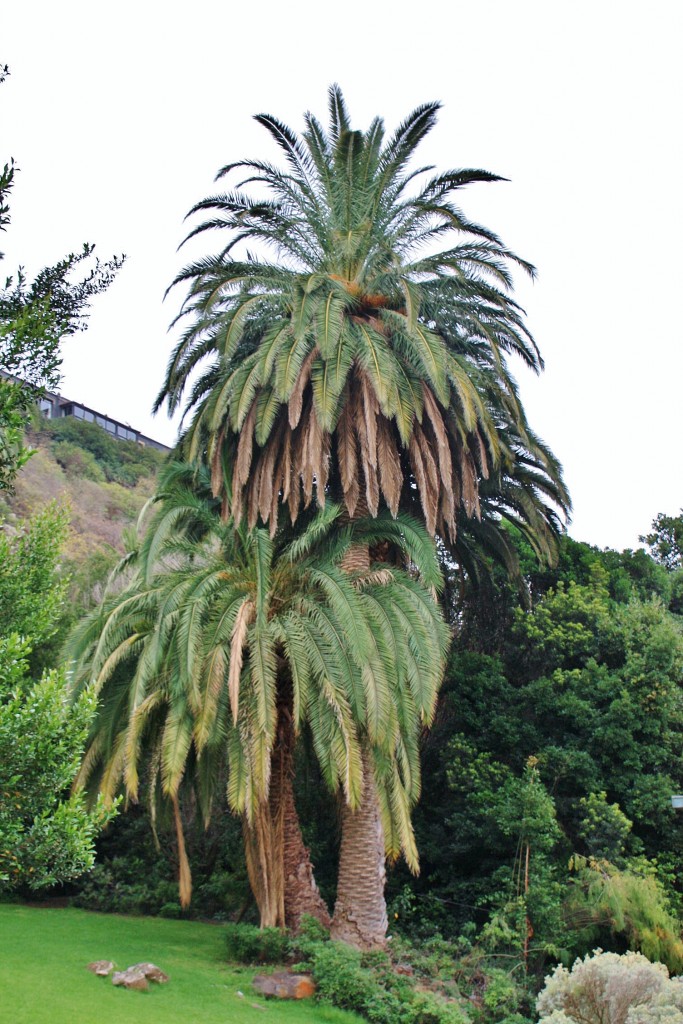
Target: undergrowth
x=437, y=982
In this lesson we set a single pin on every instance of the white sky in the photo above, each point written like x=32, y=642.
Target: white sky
x=120, y=114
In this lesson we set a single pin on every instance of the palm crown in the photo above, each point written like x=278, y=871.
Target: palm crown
x=221, y=627
x=352, y=353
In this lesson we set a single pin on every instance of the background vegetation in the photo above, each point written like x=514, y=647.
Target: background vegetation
x=545, y=826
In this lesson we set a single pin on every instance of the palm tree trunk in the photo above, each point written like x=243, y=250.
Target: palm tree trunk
x=301, y=894
x=360, y=913
x=278, y=864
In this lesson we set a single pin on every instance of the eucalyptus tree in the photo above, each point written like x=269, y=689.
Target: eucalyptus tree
x=349, y=338
x=234, y=643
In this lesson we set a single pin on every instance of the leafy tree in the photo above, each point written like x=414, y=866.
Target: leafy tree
x=32, y=588
x=45, y=837
x=604, y=827
x=666, y=541
x=35, y=316
x=590, y=686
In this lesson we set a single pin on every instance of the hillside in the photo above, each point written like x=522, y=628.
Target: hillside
x=104, y=481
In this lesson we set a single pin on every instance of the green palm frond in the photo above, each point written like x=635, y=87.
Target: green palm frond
x=192, y=658
x=365, y=289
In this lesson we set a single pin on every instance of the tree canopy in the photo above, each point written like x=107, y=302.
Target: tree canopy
x=341, y=355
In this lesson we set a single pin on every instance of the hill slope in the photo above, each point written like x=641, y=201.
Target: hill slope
x=105, y=483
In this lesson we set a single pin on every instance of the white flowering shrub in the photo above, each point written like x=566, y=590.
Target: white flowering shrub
x=605, y=988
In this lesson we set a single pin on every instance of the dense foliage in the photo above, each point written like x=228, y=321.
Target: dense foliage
x=136, y=868
x=86, y=450
x=45, y=836
x=558, y=742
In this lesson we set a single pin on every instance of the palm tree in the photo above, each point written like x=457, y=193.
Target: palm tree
x=355, y=363
x=236, y=643
x=358, y=350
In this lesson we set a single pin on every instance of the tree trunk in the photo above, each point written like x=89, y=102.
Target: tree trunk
x=278, y=864
x=301, y=894
x=360, y=913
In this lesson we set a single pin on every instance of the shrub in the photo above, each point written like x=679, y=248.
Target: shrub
x=341, y=979
x=305, y=943
x=76, y=461
x=248, y=944
x=171, y=910
x=628, y=905
x=433, y=957
x=366, y=984
x=428, y=1008
x=605, y=988
x=501, y=997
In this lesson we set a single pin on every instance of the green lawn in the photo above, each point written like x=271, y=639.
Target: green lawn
x=43, y=976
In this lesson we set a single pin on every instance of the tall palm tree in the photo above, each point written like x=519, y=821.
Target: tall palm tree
x=235, y=644
x=349, y=340
x=362, y=360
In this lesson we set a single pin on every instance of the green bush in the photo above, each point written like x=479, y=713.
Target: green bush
x=135, y=873
x=428, y=1008
x=305, y=943
x=248, y=944
x=111, y=887
x=341, y=979
x=367, y=984
x=433, y=957
x=501, y=997
x=171, y=910
x=76, y=461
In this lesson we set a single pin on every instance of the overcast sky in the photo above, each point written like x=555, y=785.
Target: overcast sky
x=119, y=115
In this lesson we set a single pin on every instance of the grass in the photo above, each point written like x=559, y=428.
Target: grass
x=43, y=976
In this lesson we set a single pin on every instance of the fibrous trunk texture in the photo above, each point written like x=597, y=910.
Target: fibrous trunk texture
x=278, y=864
x=360, y=913
x=263, y=847
x=300, y=889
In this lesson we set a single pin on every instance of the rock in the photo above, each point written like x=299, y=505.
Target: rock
x=131, y=979
x=139, y=976
x=283, y=985
x=101, y=968
x=151, y=972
